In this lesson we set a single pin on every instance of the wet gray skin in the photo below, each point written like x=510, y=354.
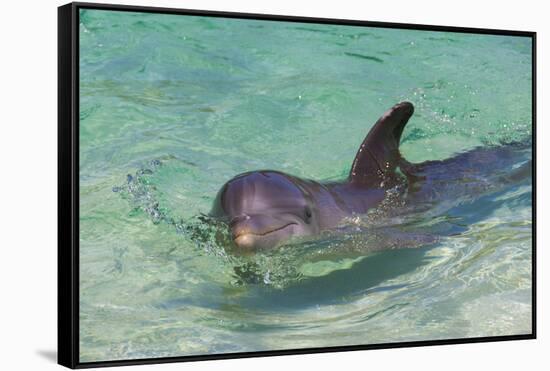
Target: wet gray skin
x=266, y=208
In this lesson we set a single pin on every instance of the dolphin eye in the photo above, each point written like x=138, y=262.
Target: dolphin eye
x=308, y=214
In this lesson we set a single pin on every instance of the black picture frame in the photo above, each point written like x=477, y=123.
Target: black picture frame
x=68, y=183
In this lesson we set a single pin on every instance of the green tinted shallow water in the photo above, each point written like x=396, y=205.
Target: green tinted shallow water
x=210, y=98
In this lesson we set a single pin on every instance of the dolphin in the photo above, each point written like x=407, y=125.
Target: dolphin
x=266, y=208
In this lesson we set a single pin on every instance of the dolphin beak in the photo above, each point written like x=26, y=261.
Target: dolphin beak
x=244, y=241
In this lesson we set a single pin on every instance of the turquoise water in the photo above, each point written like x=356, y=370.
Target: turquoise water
x=171, y=107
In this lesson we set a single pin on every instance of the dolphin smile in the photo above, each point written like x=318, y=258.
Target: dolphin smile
x=244, y=233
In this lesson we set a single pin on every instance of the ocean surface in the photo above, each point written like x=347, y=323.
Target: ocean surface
x=171, y=107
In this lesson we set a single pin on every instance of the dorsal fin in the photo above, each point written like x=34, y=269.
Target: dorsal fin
x=378, y=155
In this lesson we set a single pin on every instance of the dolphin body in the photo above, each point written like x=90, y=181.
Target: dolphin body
x=265, y=208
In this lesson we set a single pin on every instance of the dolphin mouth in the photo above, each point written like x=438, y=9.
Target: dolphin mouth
x=245, y=233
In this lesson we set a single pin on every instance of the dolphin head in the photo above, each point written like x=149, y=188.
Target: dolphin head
x=265, y=208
